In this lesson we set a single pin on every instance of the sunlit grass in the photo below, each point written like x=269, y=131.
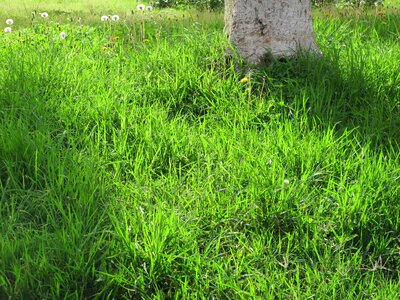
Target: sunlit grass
x=136, y=162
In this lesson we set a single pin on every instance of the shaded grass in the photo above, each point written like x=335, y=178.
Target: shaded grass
x=134, y=164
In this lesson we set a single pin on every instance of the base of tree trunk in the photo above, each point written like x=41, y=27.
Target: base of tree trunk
x=260, y=30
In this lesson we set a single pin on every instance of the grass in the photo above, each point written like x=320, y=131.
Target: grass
x=135, y=164
x=25, y=7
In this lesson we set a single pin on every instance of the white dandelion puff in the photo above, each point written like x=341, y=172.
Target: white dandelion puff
x=286, y=182
x=115, y=18
x=9, y=21
x=149, y=8
x=141, y=7
x=104, y=18
x=44, y=15
x=7, y=29
x=63, y=35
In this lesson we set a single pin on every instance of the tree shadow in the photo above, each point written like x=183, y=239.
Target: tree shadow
x=355, y=98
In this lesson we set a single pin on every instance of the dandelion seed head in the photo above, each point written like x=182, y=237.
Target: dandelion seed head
x=44, y=15
x=141, y=7
x=115, y=18
x=7, y=29
x=286, y=182
x=9, y=21
x=63, y=35
x=149, y=8
x=104, y=18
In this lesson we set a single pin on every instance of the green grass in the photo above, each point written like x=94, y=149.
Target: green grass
x=135, y=164
x=23, y=8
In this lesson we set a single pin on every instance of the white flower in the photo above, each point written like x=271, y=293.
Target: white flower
x=362, y=3
x=141, y=7
x=104, y=18
x=7, y=29
x=63, y=35
x=44, y=15
x=286, y=182
x=9, y=21
x=149, y=7
x=115, y=18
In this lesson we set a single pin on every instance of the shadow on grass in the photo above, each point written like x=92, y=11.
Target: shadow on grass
x=340, y=97
x=364, y=102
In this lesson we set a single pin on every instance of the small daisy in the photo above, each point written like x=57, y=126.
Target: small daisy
x=9, y=21
x=63, y=35
x=104, y=18
x=44, y=15
x=115, y=18
x=7, y=29
x=149, y=8
x=141, y=7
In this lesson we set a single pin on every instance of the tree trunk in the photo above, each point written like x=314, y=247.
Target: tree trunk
x=259, y=28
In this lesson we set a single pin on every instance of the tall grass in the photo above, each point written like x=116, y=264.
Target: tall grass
x=134, y=163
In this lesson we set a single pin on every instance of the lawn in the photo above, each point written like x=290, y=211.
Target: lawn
x=137, y=162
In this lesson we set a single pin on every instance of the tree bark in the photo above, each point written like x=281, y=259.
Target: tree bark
x=260, y=28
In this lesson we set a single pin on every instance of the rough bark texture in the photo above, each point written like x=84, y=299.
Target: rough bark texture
x=258, y=28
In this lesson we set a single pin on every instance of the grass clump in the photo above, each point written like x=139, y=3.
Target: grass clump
x=136, y=163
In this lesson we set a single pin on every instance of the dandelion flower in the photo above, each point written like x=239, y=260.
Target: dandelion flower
x=7, y=29
x=149, y=8
x=9, y=21
x=104, y=18
x=44, y=15
x=115, y=18
x=141, y=7
x=244, y=80
x=63, y=35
